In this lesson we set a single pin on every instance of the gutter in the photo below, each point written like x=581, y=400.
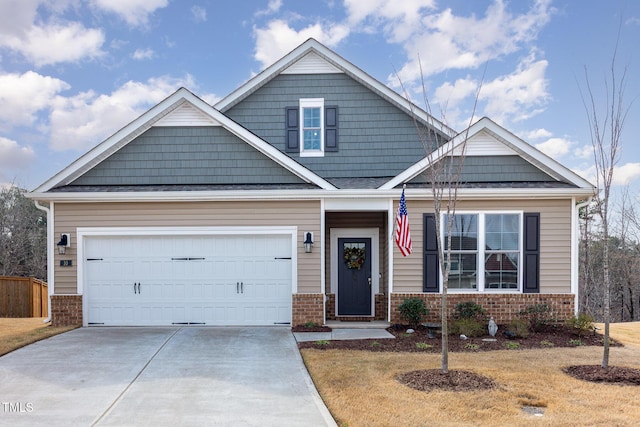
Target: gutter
x=576, y=255
x=50, y=282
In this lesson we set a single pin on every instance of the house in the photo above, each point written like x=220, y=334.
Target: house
x=277, y=205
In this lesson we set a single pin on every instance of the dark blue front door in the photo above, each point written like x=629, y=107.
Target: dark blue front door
x=354, y=277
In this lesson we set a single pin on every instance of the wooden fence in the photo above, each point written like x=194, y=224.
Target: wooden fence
x=23, y=297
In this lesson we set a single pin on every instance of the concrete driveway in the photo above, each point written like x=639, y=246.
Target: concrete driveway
x=161, y=376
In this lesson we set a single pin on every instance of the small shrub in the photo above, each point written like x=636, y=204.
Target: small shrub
x=510, y=345
x=538, y=316
x=577, y=343
x=468, y=327
x=423, y=345
x=518, y=328
x=545, y=343
x=413, y=310
x=470, y=310
x=375, y=344
x=582, y=324
x=472, y=346
x=310, y=324
x=322, y=342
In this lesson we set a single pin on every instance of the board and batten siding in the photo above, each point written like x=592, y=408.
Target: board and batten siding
x=305, y=215
x=555, y=241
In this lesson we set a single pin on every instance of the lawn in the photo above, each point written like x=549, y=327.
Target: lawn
x=18, y=332
x=360, y=388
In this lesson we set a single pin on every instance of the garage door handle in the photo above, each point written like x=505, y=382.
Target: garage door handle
x=139, y=288
x=241, y=288
x=134, y=288
x=237, y=287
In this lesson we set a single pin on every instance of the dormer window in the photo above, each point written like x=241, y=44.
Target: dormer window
x=311, y=128
x=312, y=125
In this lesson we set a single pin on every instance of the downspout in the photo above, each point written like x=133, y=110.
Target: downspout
x=50, y=281
x=576, y=252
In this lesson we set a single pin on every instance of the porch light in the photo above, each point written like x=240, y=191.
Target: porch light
x=308, y=242
x=64, y=243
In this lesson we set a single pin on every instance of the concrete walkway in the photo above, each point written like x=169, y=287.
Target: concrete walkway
x=164, y=376
x=344, y=334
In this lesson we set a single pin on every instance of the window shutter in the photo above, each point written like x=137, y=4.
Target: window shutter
x=531, y=253
x=331, y=128
x=431, y=275
x=292, y=123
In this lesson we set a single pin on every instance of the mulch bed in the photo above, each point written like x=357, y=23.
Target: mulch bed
x=434, y=379
x=552, y=336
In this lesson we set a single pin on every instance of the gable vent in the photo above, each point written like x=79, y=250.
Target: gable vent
x=312, y=63
x=186, y=115
x=483, y=144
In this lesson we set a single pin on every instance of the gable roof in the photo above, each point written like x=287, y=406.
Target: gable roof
x=159, y=115
x=504, y=143
x=312, y=56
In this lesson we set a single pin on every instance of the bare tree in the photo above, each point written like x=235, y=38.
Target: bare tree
x=606, y=122
x=23, y=235
x=443, y=174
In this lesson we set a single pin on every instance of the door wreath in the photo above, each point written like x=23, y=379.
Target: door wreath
x=354, y=257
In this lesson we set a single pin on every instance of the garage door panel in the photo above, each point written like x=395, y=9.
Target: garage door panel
x=223, y=280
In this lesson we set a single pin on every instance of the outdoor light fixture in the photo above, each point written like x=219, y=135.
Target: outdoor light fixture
x=64, y=243
x=308, y=242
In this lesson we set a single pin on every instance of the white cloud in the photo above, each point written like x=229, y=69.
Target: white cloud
x=80, y=121
x=279, y=38
x=555, y=147
x=54, y=43
x=134, y=12
x=198, y=14
x=141, y=54
x=398, y=19
x=536, y=134
x=273, y=7
x=14, y=156
x=22, y=96
x=584, y=152
x=626, y=173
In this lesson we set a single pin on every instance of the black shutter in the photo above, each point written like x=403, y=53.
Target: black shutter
x=292, y=138
x=431, y=275
x=531, y=253
x=331, y=128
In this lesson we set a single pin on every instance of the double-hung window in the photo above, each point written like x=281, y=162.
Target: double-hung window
x=312, y=127
x=486, y=251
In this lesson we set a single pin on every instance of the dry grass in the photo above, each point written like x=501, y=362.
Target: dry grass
x=628, y=332
x=18, y=332
x=360, y=388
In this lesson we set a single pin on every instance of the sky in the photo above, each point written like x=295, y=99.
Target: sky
x=73, y=72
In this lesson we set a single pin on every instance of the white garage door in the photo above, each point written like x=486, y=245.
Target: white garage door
x=165, y=280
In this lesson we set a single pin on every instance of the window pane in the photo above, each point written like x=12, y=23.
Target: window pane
x=311, y=118
x=502, y=232
x=312, y=140
x=501, y=270
x=463, y=274
x=464, y=233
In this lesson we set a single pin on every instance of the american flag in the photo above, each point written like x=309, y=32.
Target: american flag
x=403, y=235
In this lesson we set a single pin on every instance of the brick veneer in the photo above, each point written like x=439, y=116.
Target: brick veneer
x=380, y=309
x=66, y=310
x=503, y=307
x=307, y=308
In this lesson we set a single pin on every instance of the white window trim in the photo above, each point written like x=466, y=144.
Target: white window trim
x=311, y=103
x=480, y=284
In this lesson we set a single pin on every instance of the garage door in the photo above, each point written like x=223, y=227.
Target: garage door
x=165, y=280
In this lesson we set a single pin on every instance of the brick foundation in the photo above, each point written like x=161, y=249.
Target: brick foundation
x=66, y=310
x=380, y=310
x=503, y=307
x=307, y=308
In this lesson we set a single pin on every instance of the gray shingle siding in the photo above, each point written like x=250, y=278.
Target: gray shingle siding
x=376, y=139
x=477, y=169
x=187, y=155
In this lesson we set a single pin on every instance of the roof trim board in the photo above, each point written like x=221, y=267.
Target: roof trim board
x=511, y=141
x=155, y=114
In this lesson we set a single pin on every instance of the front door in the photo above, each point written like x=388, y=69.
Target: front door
x=354, y=277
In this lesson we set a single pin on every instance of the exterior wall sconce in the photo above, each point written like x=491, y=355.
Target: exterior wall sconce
x=308, y=242
x=64, y=243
